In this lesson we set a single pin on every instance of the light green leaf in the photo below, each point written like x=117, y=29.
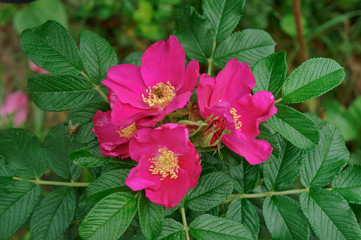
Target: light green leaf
x=322, y=163
x=297, y=128
x=51, y=47
x=247, y=46
x=211, y=190
x=329, y=215
x=172, y=230
x=283, y=171
x=58, y=148
x=211, y=227
x=243, y=211
x=284, y=218
x=59, y=92
x=313, y=78
x=223, y=16
x=97, y=55
x=108, y=183
x=17, y=203
x=24, y=152
x=134, y=58
x=54, y=215
x=195, y=34
x=109, y=218
x=151, y=217
x=270, y=73
x=83, y=158
x=348, y=184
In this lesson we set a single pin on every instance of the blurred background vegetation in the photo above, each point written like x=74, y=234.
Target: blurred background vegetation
x=332, y=28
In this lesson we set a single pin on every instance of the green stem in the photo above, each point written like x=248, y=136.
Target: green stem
x=96, y=86
x=184, y=219
x=42, y=182
x=210, y=60
x=278, y=100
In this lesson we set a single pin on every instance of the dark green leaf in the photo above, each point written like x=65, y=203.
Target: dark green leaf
x=268, y=134
x=134, y=58
x=6, y=173
x=211, y=227
x=329, y=215
x=97, y=55
x=54, y=215
x=321, y=164
x=284, y=218
x=243, y=211
x=248, y=46
x=151, y=217
x=223, y=16
x=109, y=218
x=83, y=158
x=58, y=148
x=195, y=35
x=297, y=128
x=270, y=73
x=51, y=47
x=211, y=190
x=24, y=152
x=313, y=78
x=348, y=184
x=17, y=203
x=172, y=230
x=59, y=92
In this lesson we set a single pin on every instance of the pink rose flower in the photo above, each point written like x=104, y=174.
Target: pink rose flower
x=168, y=164
x=114, y=141
x=228, y=96
x=35, y=68
x=15, y=105
x=159, y=86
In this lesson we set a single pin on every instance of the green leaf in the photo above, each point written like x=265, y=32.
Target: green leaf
x=134, y=58
x=268, y=134
x=39, y=12
x=297, y=128
x=243, y=211
x=54, y=215
x=284, y=218
x=97, y=55
x=348, y=184
x=193, y=32
x=109, y=218
x=223, y=16
x=82, y=118
x=247, y=46
x=211, y=227
x=322, y=163
x=172, y=230
x=58, y=147
x=59, y=92
x=329, y=215
x=108, y=183
x=24, y=152
x=313, y=78
x=211, y=190
x=17, y=203
x=151, y=217
x=51, y=47
x=6, y=173
x=270, y=73
x=283, y=171
x=83, y=158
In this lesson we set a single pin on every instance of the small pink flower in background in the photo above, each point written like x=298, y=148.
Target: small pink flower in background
x=15, y=106
x=162, y=84
x=114, y=141
x=228, y=96
x=37, y=69
x=168, y=163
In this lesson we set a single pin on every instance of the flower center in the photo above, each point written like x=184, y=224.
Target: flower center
x=128, y=131
x=159, y=95
x=236, y=117
x=165, y=164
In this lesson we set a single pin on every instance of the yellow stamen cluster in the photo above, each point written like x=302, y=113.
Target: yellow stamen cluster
x=165, y=164
x=128, y=131
x=159, y=95
x=236, y=117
